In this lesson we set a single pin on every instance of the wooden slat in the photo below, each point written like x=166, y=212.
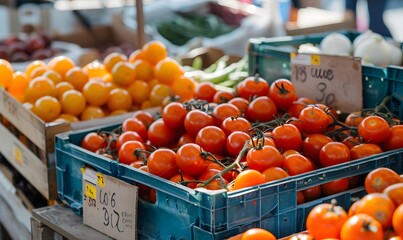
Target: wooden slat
x=25, y=161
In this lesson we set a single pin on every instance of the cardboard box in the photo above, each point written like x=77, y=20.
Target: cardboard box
x=315, y=20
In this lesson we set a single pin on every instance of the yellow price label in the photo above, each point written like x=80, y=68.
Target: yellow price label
x=101, y=180
x=19, y=158
x=315, y=59
x=90, y=191
x=292, y=55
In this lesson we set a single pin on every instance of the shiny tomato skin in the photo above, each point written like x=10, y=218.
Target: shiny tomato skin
x=336, y=186
x=223, y=111
x=263, y=158
x=235, y=142
x=174, y=115
x=211, y=139
x=334, y=153
x=126, y=154
x=295, y=164
x=261, y=109
x=252, y=87
x=162, y=163
x=314, y=120
x=287, y=136
x=231, y=124
x=374, y=129
x=395, y=139
x=364, y=150
x=136, y=125
x=312, y=145
x=282, y=92
x=196, y=120
x=93, y=142
x=160, y=135
x=190, y=161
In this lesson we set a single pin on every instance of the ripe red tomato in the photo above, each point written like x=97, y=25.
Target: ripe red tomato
x=374, y=129
x=196, y=120
x=361, y=227
x=222, y=96
x=241, y=103
x=314, y=120
x=325, y=221
x=146, y=117
x=179, y=178
x=252, y=87
x=295, y=164
x=261, y=109
x=378, y=206
x=93, y=141
x=162, y=162
x=231, y=124
x=248, y=178
x=312, y=145
x=160, y=135
x=263, y=158
x=257, y=234
x=186, y=138
x=229, y=176
x=295, y=108
x=287, y=136
x=235, y=142
x=282, y=92
x=211, y=139
x=190, y=161
x=274, y=173
x=334, y=153
x=336, y=186
x=354, y=119
x=215, y=184
x=174, y=115
x=126, y=154
x=379, y=179
x=205, y=91
x=312, y=193
x=300, y=198
x=127, y=136
x=223, y=111
x=364, y=150
x=351, y=141
x=135, y=125
x=395, y=139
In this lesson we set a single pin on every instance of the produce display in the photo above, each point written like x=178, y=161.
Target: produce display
x=62, y=91
x=371, y=47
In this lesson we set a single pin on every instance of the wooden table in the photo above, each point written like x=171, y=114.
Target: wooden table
x=54, y=222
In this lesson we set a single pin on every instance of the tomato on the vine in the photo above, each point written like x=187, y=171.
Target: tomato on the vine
x=374, y=129
x=190, y=161
x=161, y=135
x=295, y=164
x=263, y=158
x=261, y=109
x=93, y=141
x=232, y=124
x=334, y=153
x=211, y=139
x=287, y=136
x=354, y=119
x=241, y=103
x=127, y=153
x=314, y=120
x=235, y=142
x=395, y=139
x=186, y=138
x=222, y=96
x=179, y=178
x=252, y=87
x=135, y=125
x=174, y=115
x=144, y=116
x=364, y=150
x=295, y=108
x=282, y=92
x=223, y=111
x=216, y=184
x=248, y=178
x=335, y=186
x=196, y=120
x=312, y=145
x=127, y=136
x=162, y=163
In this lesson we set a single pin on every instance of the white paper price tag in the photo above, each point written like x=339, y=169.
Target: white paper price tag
x=109, y=205
x=335, y=81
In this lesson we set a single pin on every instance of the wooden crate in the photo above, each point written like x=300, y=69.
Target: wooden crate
x=28, y=143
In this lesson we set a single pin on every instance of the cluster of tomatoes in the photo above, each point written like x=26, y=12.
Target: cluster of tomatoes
x=231, y=140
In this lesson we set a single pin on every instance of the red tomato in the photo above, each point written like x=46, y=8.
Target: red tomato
x=334, y=153
x=248, y=178
x=263, y=158
x=179, y=178
x=127, y=136
x=300, y=198
x=395, y=139
x=216, y=184
x=287, y=136
x=223, y=111
x=354, y=119
x=282, y=92
x=229, y=176
x=274, y=173
x=135, y=125
x=336, y=186
x=295, y=108
x=374, y=129
x=312, y=193
x=146, y=117
x=211, y=139
x=222, y=96
x=241, y=103
x=190, y=161
x=312, y=145
x=127, y=154
x=351, y=141
x=196, y=120
x=361, y=227
x=162, y=162
x=174, y=115
x=364, y=150
x=295, y=164
x=252, y=87
x=261, y=109
x=325, y=221
x=314, y=120
x=93, y=141
x=255, y=142
x=205, y=91
x=257, y=234
x=231, y=124
x=160, y=135
x=235, y=142
x=186, y=138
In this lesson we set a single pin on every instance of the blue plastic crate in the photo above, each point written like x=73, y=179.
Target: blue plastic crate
x=183, y=213
x=395, y=78
x=270, y=57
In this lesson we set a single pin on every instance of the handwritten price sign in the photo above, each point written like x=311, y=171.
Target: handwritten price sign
x=332, y=80
x=109, y=205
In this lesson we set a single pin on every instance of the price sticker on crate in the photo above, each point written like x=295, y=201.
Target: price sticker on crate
x=109, y=205
x=335, y=81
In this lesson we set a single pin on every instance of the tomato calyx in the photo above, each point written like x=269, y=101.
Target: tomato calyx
x=202, y=105
x=368, y=227
x=141, y=154
x=282, y=90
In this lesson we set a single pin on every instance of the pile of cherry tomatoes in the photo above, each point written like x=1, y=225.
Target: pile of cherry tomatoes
x=259, y=133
